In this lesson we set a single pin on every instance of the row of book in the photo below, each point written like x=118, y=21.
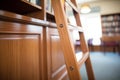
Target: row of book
x=111, y=24
x=111, y=18
x=48, y=4
x=117, y=29
x=110, y=34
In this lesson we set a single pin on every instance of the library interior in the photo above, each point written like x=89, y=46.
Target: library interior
x=59, y=39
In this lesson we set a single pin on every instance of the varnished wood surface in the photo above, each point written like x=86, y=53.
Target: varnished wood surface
x=62, y=26
x=23, y=44
x=12, y=27
x=15, y=28
x=8, y=16
x=19, y=57
x=70, y=60
x=20, y=51
x=56, y=63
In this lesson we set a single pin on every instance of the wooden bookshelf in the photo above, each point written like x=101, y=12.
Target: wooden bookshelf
x=111, y=25
x=26, y=33
x=111, y=32
x=19, y=6
x=26, y=7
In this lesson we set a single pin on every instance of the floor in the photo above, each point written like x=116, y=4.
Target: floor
x=106, y=66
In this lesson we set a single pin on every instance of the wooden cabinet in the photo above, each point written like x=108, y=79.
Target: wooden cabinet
x=30, y=47
x=19, y=57
x=24, y=7
x=23, y=57
x=20, y=50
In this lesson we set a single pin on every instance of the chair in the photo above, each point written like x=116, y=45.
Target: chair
x=90, y=44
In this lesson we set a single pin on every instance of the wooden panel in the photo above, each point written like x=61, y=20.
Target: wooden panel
x=9, y=27
x=19, y=57
x=20, y=51
x=57, y=68
x=56, y=53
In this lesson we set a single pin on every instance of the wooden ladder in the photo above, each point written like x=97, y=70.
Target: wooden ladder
x=68, y=49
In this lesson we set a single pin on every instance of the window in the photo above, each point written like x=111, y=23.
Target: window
x=92, y=26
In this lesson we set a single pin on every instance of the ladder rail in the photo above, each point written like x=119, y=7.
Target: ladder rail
x=70, y=58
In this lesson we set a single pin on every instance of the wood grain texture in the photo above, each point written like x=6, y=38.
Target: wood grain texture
x=12, y=17
x=19, y=57
x=13, y=27
x=20, y=51
x=56, y=63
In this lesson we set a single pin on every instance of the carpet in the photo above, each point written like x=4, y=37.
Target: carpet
x=106, y=66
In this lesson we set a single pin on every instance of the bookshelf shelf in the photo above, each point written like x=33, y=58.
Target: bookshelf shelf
x=19, y=6
x=50, y=16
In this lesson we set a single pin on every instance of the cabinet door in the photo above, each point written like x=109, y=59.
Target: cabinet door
x=19, y=57
x=20, y=49
x=57, y=68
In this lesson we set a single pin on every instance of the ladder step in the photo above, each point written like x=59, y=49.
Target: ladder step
x=72, y=6
x=78, y=28
x=81, y=58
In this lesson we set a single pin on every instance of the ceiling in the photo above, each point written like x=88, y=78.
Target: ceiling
x=82, y=1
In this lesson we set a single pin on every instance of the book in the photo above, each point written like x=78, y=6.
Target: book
x=37, y=2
